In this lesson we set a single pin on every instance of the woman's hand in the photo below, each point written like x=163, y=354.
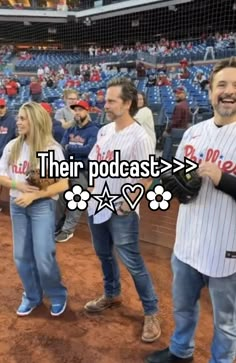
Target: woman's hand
x=25, y=199
x=26, y=188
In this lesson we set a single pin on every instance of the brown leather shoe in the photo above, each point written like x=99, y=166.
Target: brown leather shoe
x=151, y=328
x=102, y=303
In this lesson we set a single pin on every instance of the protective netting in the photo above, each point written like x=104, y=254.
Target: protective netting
x=158, y=35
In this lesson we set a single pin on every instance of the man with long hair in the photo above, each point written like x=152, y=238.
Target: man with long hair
x=120, y=230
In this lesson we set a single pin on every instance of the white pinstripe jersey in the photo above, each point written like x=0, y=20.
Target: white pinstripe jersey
x=206, y=227
x=133, y=143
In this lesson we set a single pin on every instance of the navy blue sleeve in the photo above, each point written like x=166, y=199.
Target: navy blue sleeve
x=65, y=138
x=83, y=150
x=11, y=134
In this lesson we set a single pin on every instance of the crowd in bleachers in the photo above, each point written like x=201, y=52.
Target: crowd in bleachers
x=59, y=71
x=169, y=51
x=157, y=83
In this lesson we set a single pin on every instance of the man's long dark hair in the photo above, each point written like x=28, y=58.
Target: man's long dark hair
x=128, y=92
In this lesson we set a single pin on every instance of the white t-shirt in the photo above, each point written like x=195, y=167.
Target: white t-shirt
x=134, y=144
x=17, y=172
x=206, y=227
x=145, y=117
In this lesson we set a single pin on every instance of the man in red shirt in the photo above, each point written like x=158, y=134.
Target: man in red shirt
x=11, y=88
x=181, y=116
x=181, y=119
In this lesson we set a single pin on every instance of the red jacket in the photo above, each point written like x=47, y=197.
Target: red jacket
x=11, y=88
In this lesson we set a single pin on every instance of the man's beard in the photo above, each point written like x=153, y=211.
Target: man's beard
x=81, y=120
x=224, y=112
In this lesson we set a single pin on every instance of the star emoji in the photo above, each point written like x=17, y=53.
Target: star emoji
x=105, y=199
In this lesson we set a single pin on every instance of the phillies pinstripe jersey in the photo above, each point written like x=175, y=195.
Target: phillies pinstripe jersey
x=206, y=227
x=134, y=144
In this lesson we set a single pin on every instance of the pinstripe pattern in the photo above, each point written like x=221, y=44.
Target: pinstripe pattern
x=206, y=228
x=17, y=172
x=133, y=143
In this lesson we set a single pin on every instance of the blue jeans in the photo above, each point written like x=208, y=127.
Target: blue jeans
x=187, y=285
x=34, y=252
x=122, y=232
x=67, y=220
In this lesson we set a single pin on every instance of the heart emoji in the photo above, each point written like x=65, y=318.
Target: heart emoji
x=127, y=189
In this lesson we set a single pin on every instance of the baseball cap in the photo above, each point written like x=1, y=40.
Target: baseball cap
x=81, y=103
x=2, y=102
x=180, y=90
x=47, y=107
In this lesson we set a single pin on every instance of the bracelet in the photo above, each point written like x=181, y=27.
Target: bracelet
x=13, y=184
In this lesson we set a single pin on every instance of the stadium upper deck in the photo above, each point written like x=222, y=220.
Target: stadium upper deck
x=72, y=5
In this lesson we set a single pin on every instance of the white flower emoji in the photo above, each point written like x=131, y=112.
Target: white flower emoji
x=159, y=198
x=77, y=198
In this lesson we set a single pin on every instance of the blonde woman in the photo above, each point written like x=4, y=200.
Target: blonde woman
x=145, y=117
x=33, y=211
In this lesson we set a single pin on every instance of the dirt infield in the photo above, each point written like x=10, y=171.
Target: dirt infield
x=75, y=337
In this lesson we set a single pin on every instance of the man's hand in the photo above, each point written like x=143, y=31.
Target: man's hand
x=211, y=170
x=25, y=199
x=26, y=188
x=123, y=209
x=67, y=124
x=165, y=134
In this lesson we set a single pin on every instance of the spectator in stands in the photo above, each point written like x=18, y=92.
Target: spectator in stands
x=184, y=73
x=70, y=83
x=40, y=73
x=46, y=70
x=7, y=127
x=183, y=63
x=173, y=73
x=57, y=129
x=77, y=141
x=86, y=73
x=95, y=76
x=61, y=71
x=199, y=77
x=61, y=81
x=162, y=80
x=205, y=85
x=210, y=45
x=65, y=115
x=12, y=88
x=145, y=118
x=35, y=90
x=49, y=82
x=151, y=80
x=141, y=73
x=100, y=100
x=181, y=119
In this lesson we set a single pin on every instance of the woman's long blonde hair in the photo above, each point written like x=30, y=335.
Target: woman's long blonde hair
x=40, y=136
